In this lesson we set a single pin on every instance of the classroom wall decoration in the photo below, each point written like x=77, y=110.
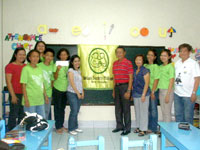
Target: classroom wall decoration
x=76, y=30
x=162, y=32
x=96, y=65
x=24, y=37
x=171, y=31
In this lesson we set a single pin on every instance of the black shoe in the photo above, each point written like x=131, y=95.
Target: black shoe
x=117, y=130
x=125, y=132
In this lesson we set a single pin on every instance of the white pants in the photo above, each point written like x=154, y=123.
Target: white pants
x=166, y=107
x=141, y=113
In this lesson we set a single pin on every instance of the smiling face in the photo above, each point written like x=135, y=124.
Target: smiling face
x=164, y=57
x=120, y=53
x=184, y=53
x=151, y=57
x=20, y=56
x=34, y=58
x=48, y=57
x=63, y=56
x=139, y=61
x=40, y=47
x=76, y=63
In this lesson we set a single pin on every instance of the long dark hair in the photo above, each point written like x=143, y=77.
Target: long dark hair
x=168, y=53
x=71, y=61
x=29, y=54
x=38, y=42
x=13, y=59
x=155, y=54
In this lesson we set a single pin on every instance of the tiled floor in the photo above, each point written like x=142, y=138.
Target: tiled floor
x=112, y=140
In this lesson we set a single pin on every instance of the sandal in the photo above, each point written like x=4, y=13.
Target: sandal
x=136, y=130
x=141, y=133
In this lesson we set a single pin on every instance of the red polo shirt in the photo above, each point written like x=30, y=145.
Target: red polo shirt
x=122, y=70
x=15, y=70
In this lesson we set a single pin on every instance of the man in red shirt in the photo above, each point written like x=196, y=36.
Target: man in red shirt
x=123, y=79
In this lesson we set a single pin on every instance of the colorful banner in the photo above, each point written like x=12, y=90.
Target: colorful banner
x=96, y=66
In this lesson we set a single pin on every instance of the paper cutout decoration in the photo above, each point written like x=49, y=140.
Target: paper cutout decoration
x=135, y=31
x=173, y=56
x=86, y=31
x=144, y=31
x=76, y=30
x=42, y=29
x=171, y=31
x=111, y=28
x=54, y=30
x=162, y=32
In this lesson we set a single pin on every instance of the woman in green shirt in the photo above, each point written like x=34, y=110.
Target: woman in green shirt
x=152, y=65
x=59, y=91
x=165, y=85
x=41, y=47
x=32, y=81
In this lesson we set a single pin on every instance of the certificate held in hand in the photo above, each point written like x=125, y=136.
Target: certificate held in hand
x=62, y=63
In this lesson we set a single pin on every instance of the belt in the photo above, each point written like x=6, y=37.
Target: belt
x=118, y=84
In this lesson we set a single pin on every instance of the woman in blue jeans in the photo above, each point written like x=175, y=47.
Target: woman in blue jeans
x=75, y=94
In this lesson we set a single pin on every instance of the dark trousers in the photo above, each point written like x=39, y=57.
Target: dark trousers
x=122, y=108
x=60, y=100
x=16, y=113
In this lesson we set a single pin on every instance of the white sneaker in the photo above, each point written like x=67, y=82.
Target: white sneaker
x=73, y=133
x=78, y=130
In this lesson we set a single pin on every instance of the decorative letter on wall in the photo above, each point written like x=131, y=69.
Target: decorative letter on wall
x=76, y=30
x=42, y=29
x=134, y=31
x=162, y=32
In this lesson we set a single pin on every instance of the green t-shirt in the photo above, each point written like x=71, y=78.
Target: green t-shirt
x=154, y=74
x=61, y=82
x=167, y=72
x=33, y=78
x=48, y=77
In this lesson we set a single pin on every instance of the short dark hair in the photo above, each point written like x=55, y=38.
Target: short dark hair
x=63, y=50
x=121, y=48
x=49, y=50
x=155, y=54
x=71, y=61
x=185, y=45
x=15, y=53
x=30, y=52
x=38, y=42
x=140, y=55
x=168, y=53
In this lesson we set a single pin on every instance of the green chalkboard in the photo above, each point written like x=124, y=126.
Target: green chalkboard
x=104, y=97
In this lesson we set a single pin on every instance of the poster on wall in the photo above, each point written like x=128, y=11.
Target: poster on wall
x=96, y=66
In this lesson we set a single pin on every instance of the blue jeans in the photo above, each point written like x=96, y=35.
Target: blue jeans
x=47, y=108
x=75, y=104
x=184, y=109
x=39, y=109
x=153, y=113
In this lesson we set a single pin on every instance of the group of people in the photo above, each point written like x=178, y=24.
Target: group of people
x=34, y=86
x=151, y=83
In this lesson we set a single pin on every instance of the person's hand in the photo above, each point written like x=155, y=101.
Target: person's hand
x=14, y=99
x=79, y=96
x=46, y=100
x=143, y=98
x=167, y=98
x=113, y=94
x=26, y=103
x=59, y=67
x=193, y=97
x=153, y=96
x=82, y=95
x=127, y=95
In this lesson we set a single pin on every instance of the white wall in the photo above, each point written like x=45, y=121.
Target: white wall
x=1, y=51
x=24, y=16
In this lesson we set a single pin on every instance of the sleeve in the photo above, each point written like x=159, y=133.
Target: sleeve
x=130, y=67
x=70, y=70
x=145, y=71
x=171, y=71
x=157, y=72
x=9, y=69
x=196, y=70
x=24, y=76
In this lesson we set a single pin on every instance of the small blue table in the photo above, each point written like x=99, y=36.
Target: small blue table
x=182, y=139
x=35, y=140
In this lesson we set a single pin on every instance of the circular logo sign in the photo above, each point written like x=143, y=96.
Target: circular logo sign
x=98, y=60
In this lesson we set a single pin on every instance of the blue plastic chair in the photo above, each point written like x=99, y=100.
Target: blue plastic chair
x=2, y=129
